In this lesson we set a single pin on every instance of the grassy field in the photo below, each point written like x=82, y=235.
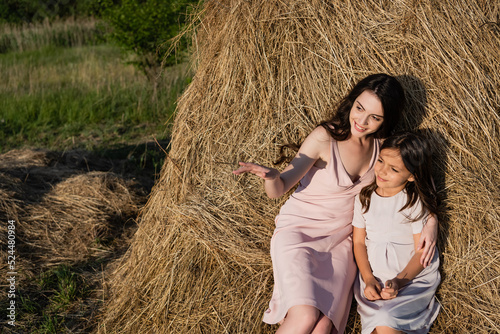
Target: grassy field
x=64, y=88
x=81, y=94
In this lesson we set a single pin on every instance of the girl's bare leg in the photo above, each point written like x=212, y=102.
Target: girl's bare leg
x=300, y=319
x=385, y=330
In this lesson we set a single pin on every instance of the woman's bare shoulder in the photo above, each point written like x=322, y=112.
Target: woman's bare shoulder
x=321, y=134
x=317, y=144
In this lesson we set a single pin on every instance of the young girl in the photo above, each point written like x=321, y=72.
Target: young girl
x=311, y=247
x=395, y=293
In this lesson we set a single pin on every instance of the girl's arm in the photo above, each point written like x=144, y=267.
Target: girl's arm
x=412, y=269
x=315, y=147
x=373, y=289
x=428, y=240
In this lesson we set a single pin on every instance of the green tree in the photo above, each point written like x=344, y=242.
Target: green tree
x=147, y=28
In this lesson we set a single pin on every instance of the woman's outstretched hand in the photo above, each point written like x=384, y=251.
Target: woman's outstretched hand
x=261, y=171
x=427, y=240
x=274, y=185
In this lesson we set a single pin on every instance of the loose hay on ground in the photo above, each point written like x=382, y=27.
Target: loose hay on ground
x=266, y=73
x=62, y=213
x=79, y=214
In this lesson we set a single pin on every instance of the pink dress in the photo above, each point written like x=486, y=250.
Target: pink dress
x=311, y=247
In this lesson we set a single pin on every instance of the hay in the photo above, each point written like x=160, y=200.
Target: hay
x=74, y=220
x=68, y=209
x=10, y=209
x=63, y=212
x=266, y=73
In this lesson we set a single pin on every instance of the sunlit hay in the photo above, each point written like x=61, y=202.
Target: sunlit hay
x=79, y=215
x=25, y=158
x=266, y=73
x=10, y=203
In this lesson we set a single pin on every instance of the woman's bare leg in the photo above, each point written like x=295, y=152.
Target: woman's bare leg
x=300, y=319
x=323, y=326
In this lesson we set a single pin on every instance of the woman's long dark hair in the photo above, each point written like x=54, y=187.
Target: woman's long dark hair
x=390, y=93
x=416, y=155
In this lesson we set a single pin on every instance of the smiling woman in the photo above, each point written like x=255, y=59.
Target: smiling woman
x=266, y=73
x=367, y=114
x=311, y=246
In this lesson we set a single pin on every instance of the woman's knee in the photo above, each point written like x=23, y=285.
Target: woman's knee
x=304, y=314
x=323, y=325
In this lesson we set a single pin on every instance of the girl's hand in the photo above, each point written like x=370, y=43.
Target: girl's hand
x=428, y=240
x=261, y=171
x=373, y=289
x=391, y=289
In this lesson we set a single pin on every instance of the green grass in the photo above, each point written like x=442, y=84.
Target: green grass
x=64, y=284
x=78, y=95
x=47, y=299
x=66, y=33
x=27, y=305
x=49, y=325
x=82, y=97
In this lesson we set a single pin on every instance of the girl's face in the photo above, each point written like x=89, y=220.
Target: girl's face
x=367, y=114
x=391, y=173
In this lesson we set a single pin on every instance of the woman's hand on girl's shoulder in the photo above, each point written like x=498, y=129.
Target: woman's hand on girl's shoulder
x=428, y=240
x=265, y=173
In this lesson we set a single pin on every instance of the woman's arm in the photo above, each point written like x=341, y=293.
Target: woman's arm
x=373, y=289
x=412, y=269
x=315, y=147
x=427, y=240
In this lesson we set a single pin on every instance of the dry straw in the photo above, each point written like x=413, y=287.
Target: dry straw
x=77, y=216
x=266, y=73
x=60, y=213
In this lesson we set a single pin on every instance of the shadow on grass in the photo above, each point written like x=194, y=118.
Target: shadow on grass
x=55, y=296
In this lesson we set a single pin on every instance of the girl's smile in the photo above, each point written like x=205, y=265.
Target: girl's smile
x=391, y=173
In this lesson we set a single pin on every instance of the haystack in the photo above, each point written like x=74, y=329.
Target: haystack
x=266, y=73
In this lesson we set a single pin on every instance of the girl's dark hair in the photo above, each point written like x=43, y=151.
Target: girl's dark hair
x=415, y=152
x=391, y=95
x=385, y=87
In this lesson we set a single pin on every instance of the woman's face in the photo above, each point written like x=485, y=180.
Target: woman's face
x=367, y=114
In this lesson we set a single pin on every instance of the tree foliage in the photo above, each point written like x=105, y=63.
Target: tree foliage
x=147, y=28
x=32, y=11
